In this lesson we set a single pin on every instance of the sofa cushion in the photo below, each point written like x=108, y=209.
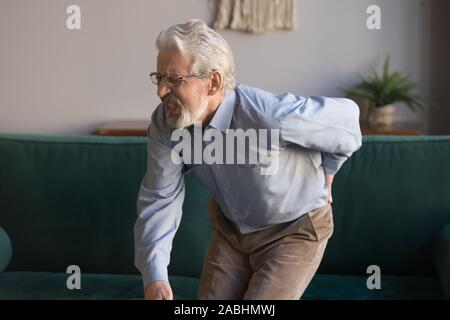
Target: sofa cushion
x=52, y=285
x=44, y=285
x=347, y=287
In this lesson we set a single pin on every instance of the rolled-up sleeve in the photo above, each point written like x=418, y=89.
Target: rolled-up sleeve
x=328, y=125
x=159, y=206
x=332, y=162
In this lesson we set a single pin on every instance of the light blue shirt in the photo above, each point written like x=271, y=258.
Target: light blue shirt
x=316, y=135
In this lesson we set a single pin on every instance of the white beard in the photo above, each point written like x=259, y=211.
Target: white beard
x=185, y=118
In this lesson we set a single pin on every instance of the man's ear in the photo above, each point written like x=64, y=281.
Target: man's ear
x=215, y=83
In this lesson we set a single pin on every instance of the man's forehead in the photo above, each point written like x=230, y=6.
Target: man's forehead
x=172, y=61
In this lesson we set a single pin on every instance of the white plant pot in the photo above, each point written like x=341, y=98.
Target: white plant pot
x=382, y=116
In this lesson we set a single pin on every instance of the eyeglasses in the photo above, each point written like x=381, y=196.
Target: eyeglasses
x=172, y=79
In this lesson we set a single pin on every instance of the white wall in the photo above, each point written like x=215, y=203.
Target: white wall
x=53, y=80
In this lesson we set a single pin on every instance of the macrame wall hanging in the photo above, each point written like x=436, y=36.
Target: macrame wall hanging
x=255, y=16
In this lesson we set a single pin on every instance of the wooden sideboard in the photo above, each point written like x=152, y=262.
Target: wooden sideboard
x=123, y=128
x=397, y=129
x=139, y=128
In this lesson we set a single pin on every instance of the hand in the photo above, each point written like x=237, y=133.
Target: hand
x=158, y=290
x=328, y=183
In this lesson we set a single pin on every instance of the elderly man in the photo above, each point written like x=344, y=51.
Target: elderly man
x=270, y=229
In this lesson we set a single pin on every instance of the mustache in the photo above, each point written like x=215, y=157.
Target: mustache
x=171, y=98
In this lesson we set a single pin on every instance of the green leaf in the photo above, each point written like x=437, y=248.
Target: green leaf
x=387, y=88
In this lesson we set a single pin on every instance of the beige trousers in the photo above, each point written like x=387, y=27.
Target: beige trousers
x=275, y=263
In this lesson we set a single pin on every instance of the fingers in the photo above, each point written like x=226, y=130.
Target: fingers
x=158, y=290
x=165, y=295
x=330, y=197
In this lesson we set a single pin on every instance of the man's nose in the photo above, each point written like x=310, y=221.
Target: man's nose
x=163, y=89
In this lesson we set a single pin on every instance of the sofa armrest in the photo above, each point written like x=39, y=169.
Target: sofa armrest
x=5, y=250
x=441, y=255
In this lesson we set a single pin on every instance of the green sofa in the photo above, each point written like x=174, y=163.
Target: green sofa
x=71, y=200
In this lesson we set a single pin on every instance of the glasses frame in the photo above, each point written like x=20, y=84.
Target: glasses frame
x=180, y=78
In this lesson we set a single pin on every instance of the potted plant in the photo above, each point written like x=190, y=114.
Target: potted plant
x=382, y=92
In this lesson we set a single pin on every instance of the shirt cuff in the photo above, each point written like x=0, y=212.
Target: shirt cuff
x=331, y=164
x=153, y=274
x=330, y=171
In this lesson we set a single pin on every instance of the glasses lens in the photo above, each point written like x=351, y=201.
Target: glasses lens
x=173, y=80
x=155, y=77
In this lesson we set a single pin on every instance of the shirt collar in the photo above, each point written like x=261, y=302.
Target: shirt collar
x=224, y=113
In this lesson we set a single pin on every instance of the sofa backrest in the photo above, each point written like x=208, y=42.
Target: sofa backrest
x=68, y=200
x=390, y=200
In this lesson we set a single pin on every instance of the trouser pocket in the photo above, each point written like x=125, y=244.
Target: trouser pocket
x=322, y=222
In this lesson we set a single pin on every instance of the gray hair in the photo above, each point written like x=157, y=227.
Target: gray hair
x=208, y=49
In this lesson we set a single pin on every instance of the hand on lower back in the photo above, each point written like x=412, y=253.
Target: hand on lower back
x=328, y=183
